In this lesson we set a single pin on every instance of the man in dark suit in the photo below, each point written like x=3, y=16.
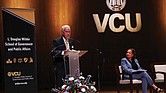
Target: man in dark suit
x=61, y=46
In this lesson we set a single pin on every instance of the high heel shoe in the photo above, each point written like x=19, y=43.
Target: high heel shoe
x=158, y=90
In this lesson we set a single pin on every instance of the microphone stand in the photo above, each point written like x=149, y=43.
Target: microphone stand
x=53, y=56
x=55, y=89
x=98, y=76
x=98, y=69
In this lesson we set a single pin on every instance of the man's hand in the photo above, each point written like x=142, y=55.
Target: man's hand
x=66, y=52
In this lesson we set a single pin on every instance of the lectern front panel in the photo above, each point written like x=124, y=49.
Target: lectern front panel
x=74, y=69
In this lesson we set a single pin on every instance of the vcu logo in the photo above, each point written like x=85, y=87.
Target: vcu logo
x=13, y=74
x=117, y=5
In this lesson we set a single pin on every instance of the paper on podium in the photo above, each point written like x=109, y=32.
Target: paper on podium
x=82, y=52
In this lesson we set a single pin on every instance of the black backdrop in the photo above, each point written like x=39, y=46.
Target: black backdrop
x=148, y=42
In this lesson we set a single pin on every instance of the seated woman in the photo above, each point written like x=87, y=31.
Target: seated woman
x=130, y=65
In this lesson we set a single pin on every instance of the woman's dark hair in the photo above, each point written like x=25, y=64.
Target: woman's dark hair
x=134, y=53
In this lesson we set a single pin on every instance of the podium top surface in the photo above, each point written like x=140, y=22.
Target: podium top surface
x=80, y=52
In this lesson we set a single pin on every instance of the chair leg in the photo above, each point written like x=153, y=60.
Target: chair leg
x=165, y=88
x=137, y=91
x=131, y=89
x=118, y=90
x=151, y=91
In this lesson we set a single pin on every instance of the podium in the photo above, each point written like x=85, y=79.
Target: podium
x=74, y=67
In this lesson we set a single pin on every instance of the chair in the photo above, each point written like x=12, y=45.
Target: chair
x=120, y=81
x=159, y=73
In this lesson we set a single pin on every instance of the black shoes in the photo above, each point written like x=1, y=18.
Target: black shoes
x=158, y=90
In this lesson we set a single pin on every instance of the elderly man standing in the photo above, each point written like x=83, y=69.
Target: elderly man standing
x=61, y=46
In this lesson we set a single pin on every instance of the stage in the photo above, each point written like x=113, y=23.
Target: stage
x=105, y=89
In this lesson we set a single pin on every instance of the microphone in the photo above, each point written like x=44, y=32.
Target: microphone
x=55, y=53
x=57, y=47
x=74, y=40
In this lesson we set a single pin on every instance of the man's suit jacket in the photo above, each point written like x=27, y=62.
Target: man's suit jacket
x=58, y=47
x=127, y=67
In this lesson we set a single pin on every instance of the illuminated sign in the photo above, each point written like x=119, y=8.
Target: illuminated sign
x=13, y=74
x=117, y=5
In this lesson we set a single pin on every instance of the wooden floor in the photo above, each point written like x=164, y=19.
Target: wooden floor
x=123, y=91
x=107, y=89
x=102, y=91
x=111, y=91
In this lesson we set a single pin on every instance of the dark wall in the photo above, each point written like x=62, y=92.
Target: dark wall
x=1, y=63
x=1, y=70
x=149, y=42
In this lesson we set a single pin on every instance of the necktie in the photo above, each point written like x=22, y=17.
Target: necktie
x=67, y=45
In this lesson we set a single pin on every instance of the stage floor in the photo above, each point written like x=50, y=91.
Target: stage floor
x=107, y=89
x=103, y=91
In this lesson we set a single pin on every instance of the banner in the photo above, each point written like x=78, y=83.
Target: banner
x=19, y=51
